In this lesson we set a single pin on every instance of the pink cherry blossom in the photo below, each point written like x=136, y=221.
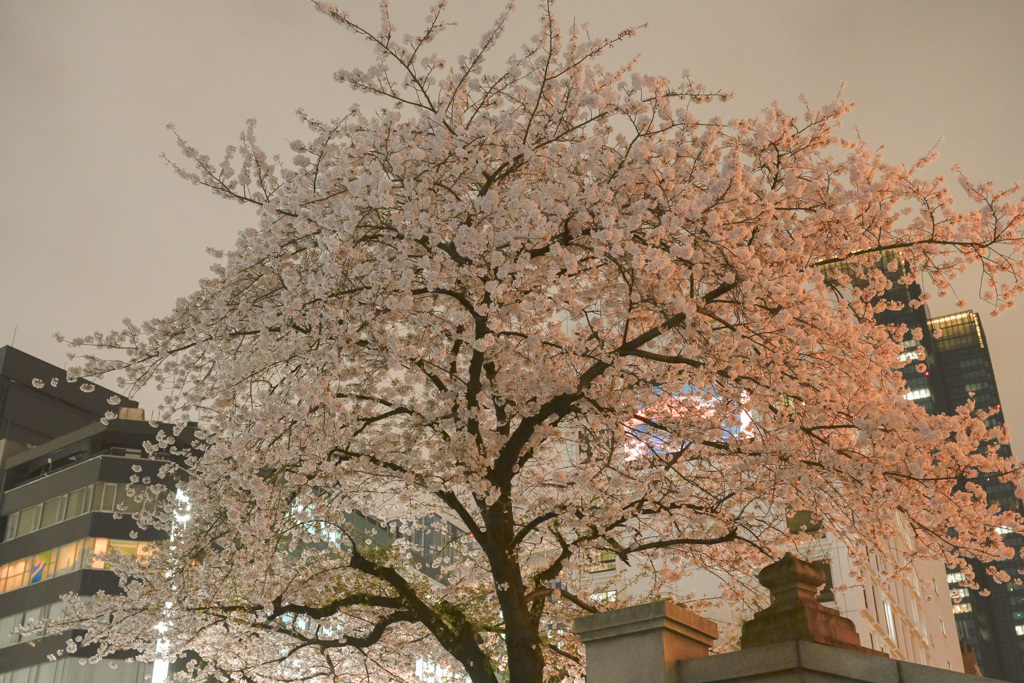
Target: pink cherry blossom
x=533, y=311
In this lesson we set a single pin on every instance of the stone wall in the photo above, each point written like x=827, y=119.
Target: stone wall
x=793, y=640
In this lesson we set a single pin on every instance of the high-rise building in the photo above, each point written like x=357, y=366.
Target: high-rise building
x=958, y=368
x=64, y=496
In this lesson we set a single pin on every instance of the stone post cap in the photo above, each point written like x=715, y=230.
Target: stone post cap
x=795, y=613
x=664, y=615
x=791, y=579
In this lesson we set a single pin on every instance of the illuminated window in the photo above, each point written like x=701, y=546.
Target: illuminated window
x=605, y=597
x=916, y=394
x=955, y=577
x=917, y=353
x=604, y=562
x=1019, y=629
x=13, y=575
x=962, y=608
x=42, y=567
x=66, y=558
x=100, y=548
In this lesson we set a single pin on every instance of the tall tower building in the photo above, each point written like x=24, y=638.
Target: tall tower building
x=992, y=625
x=63, y=498
x=958, y=369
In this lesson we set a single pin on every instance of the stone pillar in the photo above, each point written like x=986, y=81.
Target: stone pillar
x=795, y=613
x=642, y=644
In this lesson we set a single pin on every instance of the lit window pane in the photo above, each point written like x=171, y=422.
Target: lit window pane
x=16, y=575
x=124, y=547
x=66, y=558
x=99, y=547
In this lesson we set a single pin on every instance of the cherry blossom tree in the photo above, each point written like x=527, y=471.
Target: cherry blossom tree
x=520, y=317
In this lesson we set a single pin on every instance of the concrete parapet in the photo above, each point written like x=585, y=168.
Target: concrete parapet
x=806, y=662
x=795, y=640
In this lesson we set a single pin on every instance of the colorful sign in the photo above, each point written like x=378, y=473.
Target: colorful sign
x=39, y=564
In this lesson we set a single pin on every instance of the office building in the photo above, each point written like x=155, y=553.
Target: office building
x=958, y=368
x=64, y=496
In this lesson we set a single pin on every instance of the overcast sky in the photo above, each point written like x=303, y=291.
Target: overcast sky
x=94, y=227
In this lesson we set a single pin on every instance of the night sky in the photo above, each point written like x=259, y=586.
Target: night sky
x=94, y=227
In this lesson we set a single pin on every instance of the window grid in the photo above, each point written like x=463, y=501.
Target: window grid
x=100, y=497
x=12, y=621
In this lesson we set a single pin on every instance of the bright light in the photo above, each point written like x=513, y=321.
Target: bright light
x=706, y=405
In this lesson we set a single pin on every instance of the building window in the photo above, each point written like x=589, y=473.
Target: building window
x=962, y=608
x=604, y=562
x=9, y=623
x=64, y=559
x=53, y=510
x=890, y=624
x=101, y=497
x=28, y=520
x=605, y=597
x=78, y=502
